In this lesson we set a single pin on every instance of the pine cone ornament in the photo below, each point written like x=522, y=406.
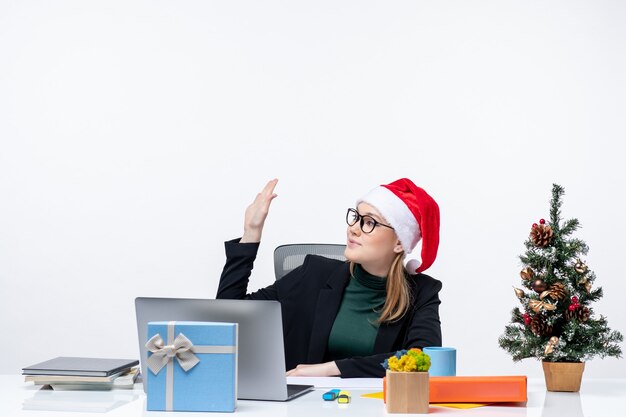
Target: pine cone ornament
x=580, y=313
x=539, y=326
x=541, y=235
x=555, y=291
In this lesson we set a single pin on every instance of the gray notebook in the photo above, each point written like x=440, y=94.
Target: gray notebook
x=64, y=365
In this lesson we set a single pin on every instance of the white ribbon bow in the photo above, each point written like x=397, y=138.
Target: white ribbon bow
x=182, y=349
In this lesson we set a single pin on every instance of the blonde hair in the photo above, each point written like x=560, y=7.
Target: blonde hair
x=398, y=292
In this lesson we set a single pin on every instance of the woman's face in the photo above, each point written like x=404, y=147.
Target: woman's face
x=375, y=251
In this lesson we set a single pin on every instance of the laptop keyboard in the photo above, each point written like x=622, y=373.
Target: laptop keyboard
x=294, y=390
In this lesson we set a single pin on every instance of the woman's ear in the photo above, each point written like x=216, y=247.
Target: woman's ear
x=398, y=247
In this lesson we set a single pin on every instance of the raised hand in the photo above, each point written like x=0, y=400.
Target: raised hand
x=256, y=213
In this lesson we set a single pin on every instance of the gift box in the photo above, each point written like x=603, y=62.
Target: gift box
x=192, y=366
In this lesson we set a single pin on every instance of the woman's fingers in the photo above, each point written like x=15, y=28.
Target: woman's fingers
x=264, y=198
x=268, y=190
x=257, y=212
x=259, y=208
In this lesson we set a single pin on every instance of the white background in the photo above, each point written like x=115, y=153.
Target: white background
x=134, y=134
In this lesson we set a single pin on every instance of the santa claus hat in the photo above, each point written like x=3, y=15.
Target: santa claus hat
x=413, y=214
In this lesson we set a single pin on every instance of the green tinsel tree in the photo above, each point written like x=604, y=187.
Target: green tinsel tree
x=556, y=322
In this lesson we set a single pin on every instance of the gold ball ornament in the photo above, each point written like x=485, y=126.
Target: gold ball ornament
x=519, y=293
x=539, y=286
x=527, y=274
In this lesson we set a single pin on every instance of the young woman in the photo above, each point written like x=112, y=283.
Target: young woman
x=344, y=318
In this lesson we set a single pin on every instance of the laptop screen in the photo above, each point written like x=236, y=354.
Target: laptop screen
x=261, y=368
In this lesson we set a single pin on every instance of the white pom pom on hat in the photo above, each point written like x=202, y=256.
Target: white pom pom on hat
x=413, y=214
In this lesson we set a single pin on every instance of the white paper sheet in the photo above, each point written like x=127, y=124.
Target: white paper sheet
x=335, y=382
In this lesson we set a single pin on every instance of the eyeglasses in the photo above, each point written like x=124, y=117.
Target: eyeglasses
x=367, y=223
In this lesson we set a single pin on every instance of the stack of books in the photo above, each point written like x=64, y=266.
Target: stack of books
x=71, y=373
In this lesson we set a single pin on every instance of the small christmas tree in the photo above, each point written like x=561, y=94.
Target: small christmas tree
x=556, y=322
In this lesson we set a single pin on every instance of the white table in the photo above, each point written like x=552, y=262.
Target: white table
x=597, y=397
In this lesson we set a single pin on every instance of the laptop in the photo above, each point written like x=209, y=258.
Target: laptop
x=261, y=368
